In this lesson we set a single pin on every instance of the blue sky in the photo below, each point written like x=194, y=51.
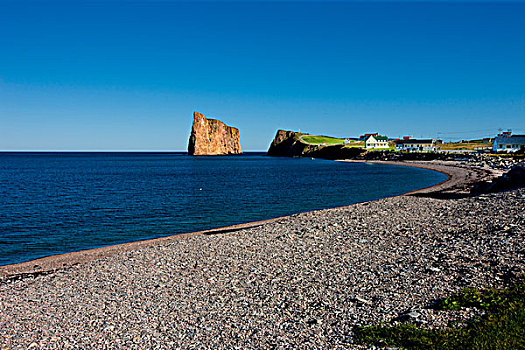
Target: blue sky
x=128, y=75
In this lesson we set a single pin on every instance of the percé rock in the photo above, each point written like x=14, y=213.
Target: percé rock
x=289, y=144
x=212, y=137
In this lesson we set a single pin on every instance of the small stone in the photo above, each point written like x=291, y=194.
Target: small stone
x=413, y=314
x=312, y=322
x=362, y=301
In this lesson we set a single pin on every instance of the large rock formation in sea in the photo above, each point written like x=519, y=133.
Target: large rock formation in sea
x=213, y=137
x=289, y=144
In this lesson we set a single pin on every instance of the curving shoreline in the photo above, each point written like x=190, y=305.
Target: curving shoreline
x=49, y=264
x=301, y=281
x=460, y=176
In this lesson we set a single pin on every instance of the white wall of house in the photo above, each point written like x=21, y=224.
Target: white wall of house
x=414, y=147
x=373, y=143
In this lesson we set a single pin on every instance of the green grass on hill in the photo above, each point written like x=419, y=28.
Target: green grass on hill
x=318, y=140
x=355, y=144
x=502, y=326
x=464, y=145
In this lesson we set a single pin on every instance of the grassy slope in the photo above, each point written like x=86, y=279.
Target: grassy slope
x=464, y=145
x=360, y=144
x=318, y=140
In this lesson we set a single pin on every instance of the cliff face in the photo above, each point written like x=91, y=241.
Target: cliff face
x=213, y=137
x=289, y=144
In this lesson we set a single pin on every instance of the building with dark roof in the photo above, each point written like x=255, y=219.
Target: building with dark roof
x=506, y=142
x=376, y=142
x=415, y=145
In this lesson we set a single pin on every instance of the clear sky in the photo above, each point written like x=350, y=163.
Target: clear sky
x=128, y=75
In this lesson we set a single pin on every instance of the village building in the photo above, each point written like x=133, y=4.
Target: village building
x=376, y=142
x=506, y=142
x=415, y=145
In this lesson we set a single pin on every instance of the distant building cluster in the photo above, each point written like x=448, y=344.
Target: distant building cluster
x=504, y=142
x=407, y=144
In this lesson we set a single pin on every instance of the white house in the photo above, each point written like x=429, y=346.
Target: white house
x=376, y=142
x=415, y=145
x=508, y=143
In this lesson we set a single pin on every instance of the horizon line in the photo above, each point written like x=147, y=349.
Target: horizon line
x=106, y=150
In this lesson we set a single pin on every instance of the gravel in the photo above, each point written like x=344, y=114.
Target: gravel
x=300, y=282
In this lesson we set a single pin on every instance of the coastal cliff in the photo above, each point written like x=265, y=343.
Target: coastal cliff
x=212, y=137
x=289, y=144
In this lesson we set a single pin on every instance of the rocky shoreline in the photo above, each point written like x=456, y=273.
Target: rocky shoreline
x=302, y=281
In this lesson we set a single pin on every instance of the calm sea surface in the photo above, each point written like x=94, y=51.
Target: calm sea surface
x=55, y=203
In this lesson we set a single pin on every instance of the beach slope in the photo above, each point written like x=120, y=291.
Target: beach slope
x=302, y=281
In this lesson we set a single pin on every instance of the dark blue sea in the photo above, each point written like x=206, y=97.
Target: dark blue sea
x=55, y=203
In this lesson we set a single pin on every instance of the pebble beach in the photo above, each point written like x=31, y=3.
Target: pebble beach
x=300, y=282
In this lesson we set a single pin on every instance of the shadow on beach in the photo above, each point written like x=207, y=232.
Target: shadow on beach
x=443, y=195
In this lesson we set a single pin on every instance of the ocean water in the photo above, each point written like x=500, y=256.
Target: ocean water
x=54, y=203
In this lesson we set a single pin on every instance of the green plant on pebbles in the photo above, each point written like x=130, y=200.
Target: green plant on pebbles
x=501, y=327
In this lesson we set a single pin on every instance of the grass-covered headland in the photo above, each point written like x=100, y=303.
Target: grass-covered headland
x=501, y=327
x=319, y=140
